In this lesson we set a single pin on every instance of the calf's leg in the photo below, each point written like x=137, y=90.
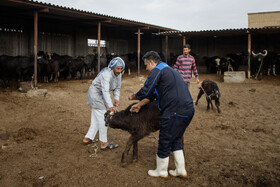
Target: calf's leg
x=136, y=138
x=126, y=150
x=198, y=96
x=131, y=141
x=211, y=104
x=217, y=103
x=208, y=102
x=135, y=151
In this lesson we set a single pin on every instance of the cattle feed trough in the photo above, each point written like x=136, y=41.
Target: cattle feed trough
x=234, y=76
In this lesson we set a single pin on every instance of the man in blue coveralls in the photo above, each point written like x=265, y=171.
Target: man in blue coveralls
x=176, y=106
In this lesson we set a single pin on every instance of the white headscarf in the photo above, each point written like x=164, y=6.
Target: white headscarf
x=115, y=62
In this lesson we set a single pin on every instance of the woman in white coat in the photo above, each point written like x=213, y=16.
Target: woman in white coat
x=99, y=99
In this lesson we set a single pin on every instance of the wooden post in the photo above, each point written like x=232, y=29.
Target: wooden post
x=184, y=40
x=35, y=47
x=166, y=48
x=98, y=47
x=249, y=55
x=138, y=52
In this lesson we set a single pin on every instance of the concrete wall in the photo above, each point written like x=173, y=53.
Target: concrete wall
x=263, y=19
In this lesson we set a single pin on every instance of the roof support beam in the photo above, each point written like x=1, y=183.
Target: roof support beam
x=106, y=20
x=97, y=20
x=44, y=9
x=138, y=51
x=35, y=47
x=166, y=47
x=98, y=47
x=249, y=54
x=147, y=27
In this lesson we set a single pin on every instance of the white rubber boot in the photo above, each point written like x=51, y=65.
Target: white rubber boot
x=179, y=160
x=161, y=170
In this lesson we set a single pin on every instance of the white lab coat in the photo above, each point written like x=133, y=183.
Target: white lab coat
x=99, y=92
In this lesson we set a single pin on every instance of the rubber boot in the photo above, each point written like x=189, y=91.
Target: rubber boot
x=161, y=170
x=179, y=160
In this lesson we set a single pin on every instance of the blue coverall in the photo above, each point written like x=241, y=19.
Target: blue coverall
x=174, y=102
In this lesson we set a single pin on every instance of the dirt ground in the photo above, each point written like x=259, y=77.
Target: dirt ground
x=41, y=139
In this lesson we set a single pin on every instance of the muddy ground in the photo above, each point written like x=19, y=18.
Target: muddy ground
x=41, y=138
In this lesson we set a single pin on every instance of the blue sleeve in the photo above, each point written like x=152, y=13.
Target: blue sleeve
x=148, y=90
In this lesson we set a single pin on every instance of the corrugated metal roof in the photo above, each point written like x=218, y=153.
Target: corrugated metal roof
x=94, y=13
x=58, y=10
x=238, y=31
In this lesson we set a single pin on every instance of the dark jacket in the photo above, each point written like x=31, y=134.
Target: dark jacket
x=172, y=93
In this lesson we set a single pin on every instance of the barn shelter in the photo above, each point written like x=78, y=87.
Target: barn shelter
x=221, y=42
x=28, y=26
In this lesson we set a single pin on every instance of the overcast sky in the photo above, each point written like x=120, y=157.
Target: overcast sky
x=185, y=15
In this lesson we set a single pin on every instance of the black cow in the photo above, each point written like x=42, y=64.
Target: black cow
x=104, y=61
x=75, y=66
x=90, y=61
x=17, y=68
x=5, y=74
x=53, y=68
x=224, y=64
x=130, y=60
x=212, y=92
x=212, y=63
x=271, y=62
x=237, y=60
x=63, y=61
x=109, y=57
x=257, y=63
x=42, y=63
x=48, y=67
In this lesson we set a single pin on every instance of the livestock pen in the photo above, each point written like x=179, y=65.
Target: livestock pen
x=41, y=139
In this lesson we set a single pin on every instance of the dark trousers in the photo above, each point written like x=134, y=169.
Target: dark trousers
x=171, y=131
x=188, y=84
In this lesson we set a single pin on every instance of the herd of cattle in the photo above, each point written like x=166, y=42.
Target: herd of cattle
x=265, y=62
x=52, y=67
x=261, y=63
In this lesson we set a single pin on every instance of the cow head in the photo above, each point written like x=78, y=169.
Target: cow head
x=218, y=62
x=107, y=117
x=43, y=57
x=215, y=95
x=260, y=56
x=49, y=55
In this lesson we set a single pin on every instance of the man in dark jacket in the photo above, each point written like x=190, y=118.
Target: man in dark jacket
x=176, y=105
